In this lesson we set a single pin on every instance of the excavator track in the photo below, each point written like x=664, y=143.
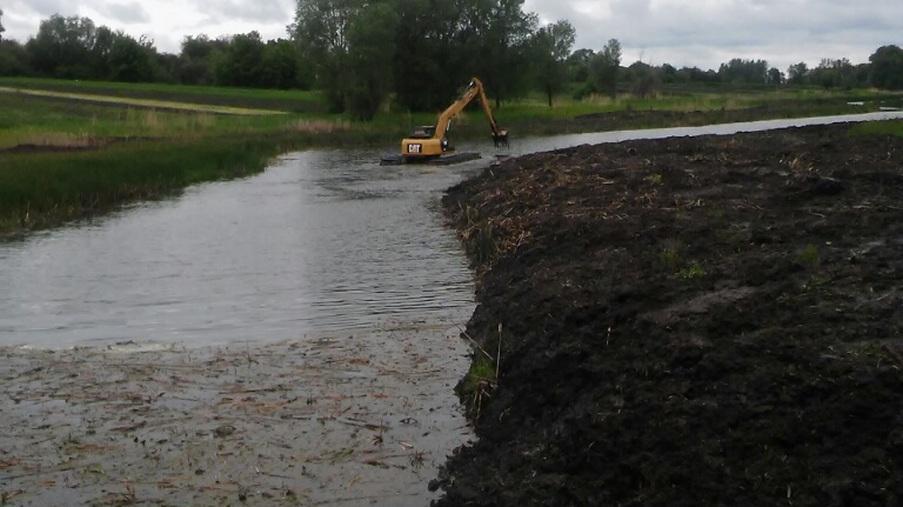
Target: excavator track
x=444, y=159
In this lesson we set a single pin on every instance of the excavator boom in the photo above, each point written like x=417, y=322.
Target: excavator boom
x=432, y=141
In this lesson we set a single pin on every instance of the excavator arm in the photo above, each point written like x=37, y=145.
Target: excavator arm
x=474, y=90
x=432, y=141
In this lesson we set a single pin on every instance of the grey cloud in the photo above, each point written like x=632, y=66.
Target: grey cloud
x=43, y=7
x=782, y=31
x=131, y=12
x=263, y=11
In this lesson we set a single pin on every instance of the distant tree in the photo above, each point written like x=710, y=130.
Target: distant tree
x=644, y=79
x=604, y=68
x=863, y=73
x=798, y=73
x=240, y=62
x=371, y=52
x=553, y=46
x=279, y=67
x=166, y=67
x=131, y=60
x=887, y=68
x=13, y=59
x=1, y=25
x=669, y=73
x=740, y=71
x=697, y=75
x=196, y=61
x=100, y=52
x=775, y=76
x=62, y=47
x=834, y=74
x=578, y=65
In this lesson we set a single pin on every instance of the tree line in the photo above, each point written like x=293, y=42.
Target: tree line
x=361, y=53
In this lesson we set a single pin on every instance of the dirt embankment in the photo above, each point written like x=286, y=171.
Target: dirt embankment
x=709, y=321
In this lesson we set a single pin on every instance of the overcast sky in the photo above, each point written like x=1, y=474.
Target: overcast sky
x=682, y=32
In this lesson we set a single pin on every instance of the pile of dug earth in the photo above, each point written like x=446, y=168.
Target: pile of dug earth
x=708, y=321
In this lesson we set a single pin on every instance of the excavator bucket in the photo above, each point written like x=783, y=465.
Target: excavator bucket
x=500, y=139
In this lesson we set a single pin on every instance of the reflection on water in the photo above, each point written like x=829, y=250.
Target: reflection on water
x=322, y=242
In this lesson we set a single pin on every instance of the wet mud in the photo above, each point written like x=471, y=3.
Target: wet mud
x=342, y=420
x=692, y=321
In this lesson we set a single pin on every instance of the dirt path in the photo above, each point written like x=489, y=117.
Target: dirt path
x=707, y=321
x=144, y=103
x=322, y=422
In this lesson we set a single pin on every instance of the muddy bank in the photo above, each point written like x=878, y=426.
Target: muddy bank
x=330, y=421
x=709, y=321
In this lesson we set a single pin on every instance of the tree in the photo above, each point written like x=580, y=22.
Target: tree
x=196, y=62
x=740, y=71
x=797, y=73
x=239, y=64
x=887, y=68
x=131, y=60
x=1, y=25
x=644, y=79
x=669, y=73
x=279, y=67
x=834, y=74
x=424, y=41
x=100, y=52
x=578, y=65
x=13, y=59
x=695, y=74
x=321, y=30
x=501, y=48
x=371, y=52
x=62, y=47
x=604, y=68
x=553, y=46
x=775, y=77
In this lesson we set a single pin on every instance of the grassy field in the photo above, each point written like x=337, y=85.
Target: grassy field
x=295, y=101
x=165, y=105
x=884, y=128
x=62, y=156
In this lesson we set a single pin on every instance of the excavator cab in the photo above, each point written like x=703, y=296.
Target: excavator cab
x=423, y=132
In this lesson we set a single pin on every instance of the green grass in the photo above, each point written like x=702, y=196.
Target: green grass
x=481, y=373
x=881, y=128
x=139, y=152
x=47, y=121
x=297, y=101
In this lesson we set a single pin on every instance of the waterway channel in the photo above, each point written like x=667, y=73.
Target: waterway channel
x=330, y=279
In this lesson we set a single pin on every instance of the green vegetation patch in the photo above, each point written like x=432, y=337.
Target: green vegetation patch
x=144, y=103
x=884, y=128
x=297, y=101
x=37, y=189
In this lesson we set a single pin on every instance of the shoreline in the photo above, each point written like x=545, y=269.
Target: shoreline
x=685, y=321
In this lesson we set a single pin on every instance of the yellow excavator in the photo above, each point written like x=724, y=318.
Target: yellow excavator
x=430, y=142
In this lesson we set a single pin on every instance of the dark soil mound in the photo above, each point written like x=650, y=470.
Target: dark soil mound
x=708, y=321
